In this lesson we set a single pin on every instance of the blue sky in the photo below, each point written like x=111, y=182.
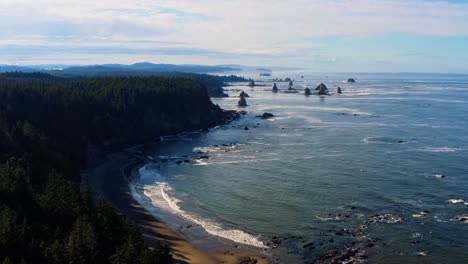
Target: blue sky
x=320, y=35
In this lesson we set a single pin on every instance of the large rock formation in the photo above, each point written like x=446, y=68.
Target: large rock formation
x=307, y=91
x=243, y=94
x=275, y=88
x=351, y=80
x=322, y=88
x=242, y=102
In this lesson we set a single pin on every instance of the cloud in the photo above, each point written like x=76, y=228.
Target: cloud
x=214, y=28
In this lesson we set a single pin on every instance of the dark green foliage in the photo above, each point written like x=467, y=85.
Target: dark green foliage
x=46, y=128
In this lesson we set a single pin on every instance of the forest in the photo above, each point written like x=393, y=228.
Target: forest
x=47, y=125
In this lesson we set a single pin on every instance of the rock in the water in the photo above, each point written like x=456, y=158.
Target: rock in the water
x=338, y=91
x=242, y=102
x=351, y=80
x=322, y=88
x=243, y=94
x=307, y=91
x=266, y=116
x=251, y=83
x=462, y=218
x=291, y=83
x=275, y=88
x=247, y=260
x=246, y=128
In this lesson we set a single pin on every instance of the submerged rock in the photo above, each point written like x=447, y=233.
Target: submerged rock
x=242, y=102
x=307, y=91
x=386, y=219
x=351, y=80
x=421, y=214
x=462, y=218
x=243, y=94
x=266, y=116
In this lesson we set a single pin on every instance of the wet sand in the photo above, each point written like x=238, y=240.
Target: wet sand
x=109, y=181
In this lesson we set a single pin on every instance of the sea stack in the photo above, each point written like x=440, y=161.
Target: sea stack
x=307, y=91
x=322, y=88
x=351, y=80
x=275, y=88
x=242, y=102
x=338, y=91
x=243, y=94
x=251, y=83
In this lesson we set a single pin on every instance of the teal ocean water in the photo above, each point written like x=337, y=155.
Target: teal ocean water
x=382, y=169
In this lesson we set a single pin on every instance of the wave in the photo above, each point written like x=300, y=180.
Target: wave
x=317, y=108
x=441, y=150
x=382, y=140
x=156, y=188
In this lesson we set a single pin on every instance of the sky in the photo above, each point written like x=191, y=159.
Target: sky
x=320, y=35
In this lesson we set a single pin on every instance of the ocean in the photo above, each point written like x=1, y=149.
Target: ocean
x=381, y=169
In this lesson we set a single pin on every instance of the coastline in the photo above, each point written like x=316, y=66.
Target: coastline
x=109, y=180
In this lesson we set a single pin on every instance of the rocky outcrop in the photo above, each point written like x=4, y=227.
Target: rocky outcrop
x=351, y=80
x=322, y=89
x=243, y=94
x=338, y=91
x=251, y=83
x=242, y=102
x=266, y=116
x=275, y=88
x=307, y=91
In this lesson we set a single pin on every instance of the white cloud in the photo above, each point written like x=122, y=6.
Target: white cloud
x=242, y=27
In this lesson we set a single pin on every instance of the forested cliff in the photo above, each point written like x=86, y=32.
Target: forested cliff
x=46, y=127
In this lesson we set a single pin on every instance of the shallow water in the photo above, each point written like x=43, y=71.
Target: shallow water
x=324, y=167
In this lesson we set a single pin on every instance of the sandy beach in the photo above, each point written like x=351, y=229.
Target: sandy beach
x=108, y=180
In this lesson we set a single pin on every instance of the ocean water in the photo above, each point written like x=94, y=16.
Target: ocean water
x=382, y=168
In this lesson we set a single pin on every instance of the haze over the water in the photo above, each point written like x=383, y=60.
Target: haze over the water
x=320, y=35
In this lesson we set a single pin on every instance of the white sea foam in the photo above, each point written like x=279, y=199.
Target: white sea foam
x=156, y=188
x=441, y=150
x=215, y=149
x=317, y=108
x=456, y=201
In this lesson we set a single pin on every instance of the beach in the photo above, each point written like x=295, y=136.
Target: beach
x=109, y=180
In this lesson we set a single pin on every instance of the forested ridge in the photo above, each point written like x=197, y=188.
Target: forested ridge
x=46, y=127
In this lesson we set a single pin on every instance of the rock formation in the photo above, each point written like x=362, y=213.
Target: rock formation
x=242, y=102
x=251, y=83
x=351, y=80
x=266, y=116
x=322, y=88
x=338, y=91
x=243, y=94
x=307, y=91
x=275, y=88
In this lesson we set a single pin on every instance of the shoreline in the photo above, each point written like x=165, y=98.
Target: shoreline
x=110, y=181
